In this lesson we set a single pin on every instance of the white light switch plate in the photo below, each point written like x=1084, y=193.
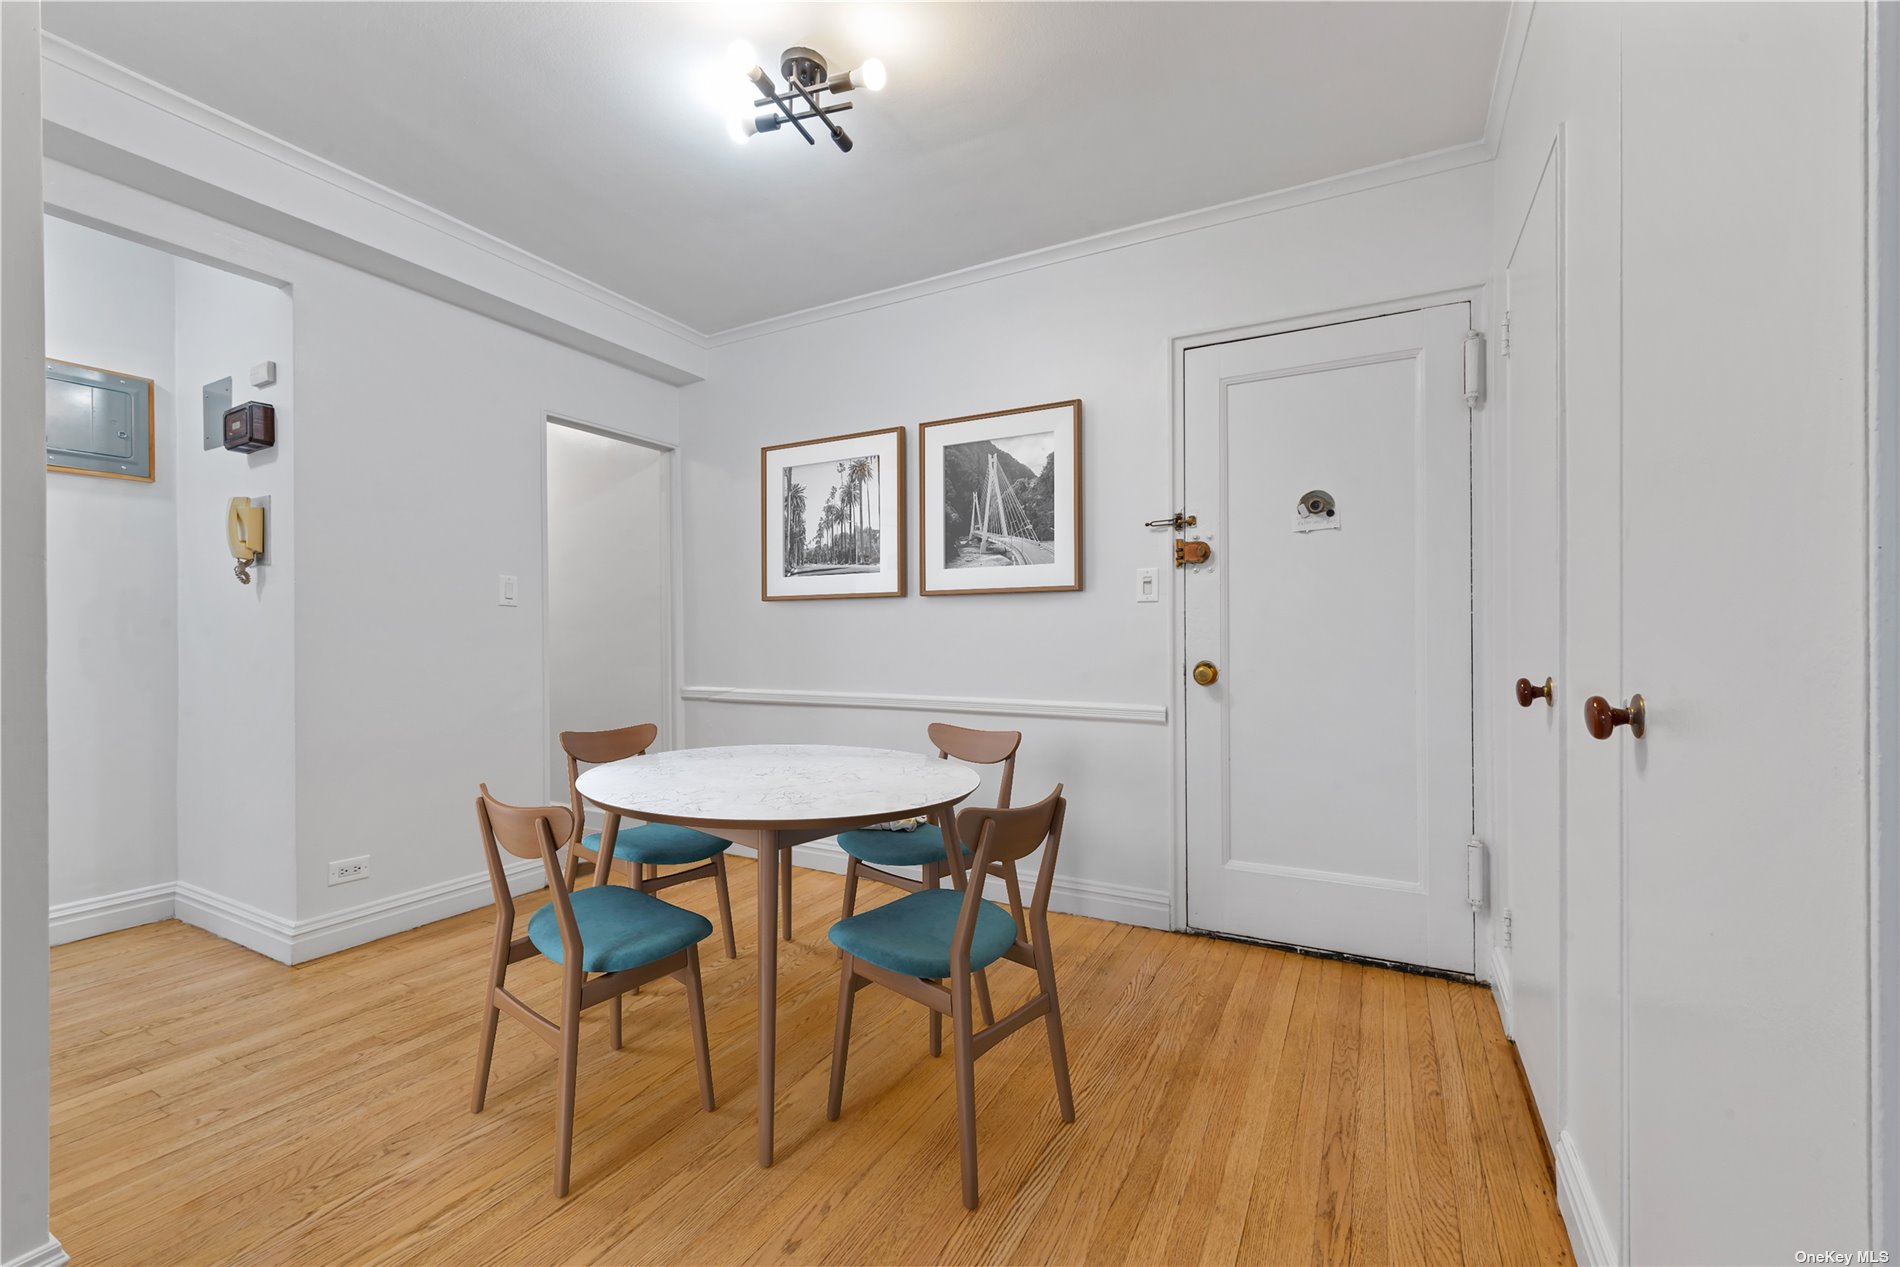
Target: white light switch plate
x=509, y=593
x=1147, y=585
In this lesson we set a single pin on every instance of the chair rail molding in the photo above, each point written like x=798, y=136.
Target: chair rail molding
x=1076, y=710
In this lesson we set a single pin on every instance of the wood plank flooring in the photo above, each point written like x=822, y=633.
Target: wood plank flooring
x=1233, y=1105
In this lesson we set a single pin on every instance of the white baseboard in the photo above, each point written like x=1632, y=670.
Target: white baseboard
x=89, y=917
x=370, y=921
x=226, y=917
x=51, y=1254
x=1501, y=988
x=1094, y=899
x=301, y=940
x=1590, y=1237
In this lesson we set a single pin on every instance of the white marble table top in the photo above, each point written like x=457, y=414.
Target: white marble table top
x=779, y=784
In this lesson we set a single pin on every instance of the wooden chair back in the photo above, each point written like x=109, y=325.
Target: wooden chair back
x=1001, y=838
x=529, y=831
x=980, y=747
x=595, y=747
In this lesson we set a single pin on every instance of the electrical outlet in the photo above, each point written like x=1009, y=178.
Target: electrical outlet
x=344, y=870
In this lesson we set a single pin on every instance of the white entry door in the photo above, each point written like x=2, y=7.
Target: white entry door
x=1329, y=763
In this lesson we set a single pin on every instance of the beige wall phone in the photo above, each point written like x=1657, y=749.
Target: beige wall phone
x=244, y=527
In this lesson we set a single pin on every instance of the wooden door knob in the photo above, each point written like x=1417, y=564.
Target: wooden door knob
x=1528, y=694
x=1601, y=718
x=1205, y=673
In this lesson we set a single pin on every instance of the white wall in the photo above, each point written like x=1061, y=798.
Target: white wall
x=417, y=442
x=1099, y=328
x=609, y=557
x=112, y=599
x=419, y=479
x=235, y=723
x=24, y=1073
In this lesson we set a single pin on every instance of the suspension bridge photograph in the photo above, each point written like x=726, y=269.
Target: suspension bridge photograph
x=999, y=502
x=1002, y=501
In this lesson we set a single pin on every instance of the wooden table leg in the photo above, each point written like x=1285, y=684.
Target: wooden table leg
x=769, y=862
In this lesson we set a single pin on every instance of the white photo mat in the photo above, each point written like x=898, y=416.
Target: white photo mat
x=819, y=459
x=1063, y=571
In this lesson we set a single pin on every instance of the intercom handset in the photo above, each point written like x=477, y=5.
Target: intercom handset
x=244, y=527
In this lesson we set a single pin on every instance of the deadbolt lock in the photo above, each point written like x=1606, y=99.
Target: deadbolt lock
x=1186, y=552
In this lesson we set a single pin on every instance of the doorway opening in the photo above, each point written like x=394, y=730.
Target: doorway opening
x=609, y=577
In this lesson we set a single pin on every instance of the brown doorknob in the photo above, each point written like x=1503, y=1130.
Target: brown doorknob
x=1528, y=694
x=1601, y=718
x=1205, y=673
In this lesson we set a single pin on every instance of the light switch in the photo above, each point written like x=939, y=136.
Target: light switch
x=1147, y=585
x=508, y=595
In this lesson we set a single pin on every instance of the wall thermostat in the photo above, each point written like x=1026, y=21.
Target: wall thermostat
x=250, y=427
x=1315, y=511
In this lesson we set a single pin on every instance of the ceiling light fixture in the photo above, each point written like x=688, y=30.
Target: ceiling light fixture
x=807, y=78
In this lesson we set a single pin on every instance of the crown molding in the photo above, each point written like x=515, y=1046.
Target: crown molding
x=1393, y=173
x=1517, y=26
x=109, y=74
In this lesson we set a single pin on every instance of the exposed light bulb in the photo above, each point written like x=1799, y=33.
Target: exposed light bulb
x=741, y=127
x=871, y=75
x=741, y=57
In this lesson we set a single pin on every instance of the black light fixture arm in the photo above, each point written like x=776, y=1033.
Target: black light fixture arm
x=763, y=82
x=838, y=137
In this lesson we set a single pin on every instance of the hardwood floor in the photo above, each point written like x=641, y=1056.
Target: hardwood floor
x=1233, y=1105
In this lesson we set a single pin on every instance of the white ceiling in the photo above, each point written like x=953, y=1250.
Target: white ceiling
x=585, y=133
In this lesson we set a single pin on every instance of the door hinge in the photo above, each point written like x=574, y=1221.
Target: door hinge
x=1504, y=930
x=1504, y=336
x=1476, y=871
x=1474, y=369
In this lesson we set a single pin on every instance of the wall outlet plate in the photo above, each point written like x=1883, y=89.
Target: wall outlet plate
x=344, y=870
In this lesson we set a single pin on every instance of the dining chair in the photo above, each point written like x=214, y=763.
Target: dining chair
x=627, y=937
x=869, y=853
x=932, y=935
x=643, y=845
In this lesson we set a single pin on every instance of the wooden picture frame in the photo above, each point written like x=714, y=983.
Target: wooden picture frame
x=1000, y=501
x=851, y=542
x=94, y=460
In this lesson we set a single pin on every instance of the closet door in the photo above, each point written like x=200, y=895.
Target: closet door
x=1530, y=734
x=1744, y=493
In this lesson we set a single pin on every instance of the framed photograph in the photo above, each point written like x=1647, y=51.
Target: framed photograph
x=833, y=517
x=1002, y=501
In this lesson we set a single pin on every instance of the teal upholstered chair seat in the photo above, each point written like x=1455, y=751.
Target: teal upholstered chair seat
x=620, y=928
x=662, y=844
x=918, y=848
x=912, y=935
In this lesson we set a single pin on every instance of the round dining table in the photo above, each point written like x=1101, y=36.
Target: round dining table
x=769, y=797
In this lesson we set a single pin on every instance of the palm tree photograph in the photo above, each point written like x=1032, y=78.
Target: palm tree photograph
x=832, y=517
x=833, y=514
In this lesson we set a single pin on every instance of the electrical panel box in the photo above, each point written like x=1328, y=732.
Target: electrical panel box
x=98, y=422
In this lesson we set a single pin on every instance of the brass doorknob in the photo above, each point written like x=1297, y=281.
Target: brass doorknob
x=1528, y=694
x=1601, y=718
x=1205, y=673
